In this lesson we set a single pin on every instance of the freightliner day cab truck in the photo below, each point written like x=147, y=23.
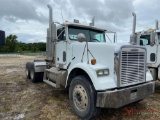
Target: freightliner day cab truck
x=97, y=74
x=150, y=39
x=2, y=38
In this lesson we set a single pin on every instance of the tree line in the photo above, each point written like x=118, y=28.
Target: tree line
x=13, y=45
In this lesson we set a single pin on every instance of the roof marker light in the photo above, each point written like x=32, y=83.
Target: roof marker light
x=76, y=21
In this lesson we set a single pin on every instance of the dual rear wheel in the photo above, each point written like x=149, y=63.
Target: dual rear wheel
x=32, y=74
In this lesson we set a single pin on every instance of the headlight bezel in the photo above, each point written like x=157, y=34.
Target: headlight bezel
x=102, y=72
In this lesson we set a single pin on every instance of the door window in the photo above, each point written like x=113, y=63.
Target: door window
x=61, y=34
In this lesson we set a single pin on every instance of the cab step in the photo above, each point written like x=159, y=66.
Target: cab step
x=51, y=83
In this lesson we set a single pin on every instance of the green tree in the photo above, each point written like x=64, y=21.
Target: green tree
x=11, y=42
x=13, y=45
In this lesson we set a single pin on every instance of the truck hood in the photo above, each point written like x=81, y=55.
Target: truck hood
x=117, y=46
x=98, y=50
x=102, y=52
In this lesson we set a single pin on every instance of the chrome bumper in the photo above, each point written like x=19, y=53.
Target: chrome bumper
x=120, y=97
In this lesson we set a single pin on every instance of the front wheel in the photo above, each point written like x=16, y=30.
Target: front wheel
x=82, y=97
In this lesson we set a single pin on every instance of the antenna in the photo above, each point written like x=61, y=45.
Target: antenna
x=62, y=16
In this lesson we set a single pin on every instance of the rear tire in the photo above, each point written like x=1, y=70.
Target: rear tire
x=35, y=76
x=82, y=97
x=28, y=69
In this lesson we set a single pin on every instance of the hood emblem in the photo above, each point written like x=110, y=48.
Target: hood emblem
x=134, y=50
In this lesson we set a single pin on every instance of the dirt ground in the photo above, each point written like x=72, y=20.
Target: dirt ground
x=21, y=99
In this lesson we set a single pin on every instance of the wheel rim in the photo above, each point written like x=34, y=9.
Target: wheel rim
x=80, y=98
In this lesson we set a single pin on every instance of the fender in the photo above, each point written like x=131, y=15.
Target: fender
x=100, y=82
x=40, y=66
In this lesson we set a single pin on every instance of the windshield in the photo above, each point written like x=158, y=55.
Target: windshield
x=145, y=40
x=91, y=35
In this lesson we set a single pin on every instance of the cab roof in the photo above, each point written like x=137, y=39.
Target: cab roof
x=80, y=25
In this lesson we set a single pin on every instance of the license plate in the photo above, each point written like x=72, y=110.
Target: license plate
x=133, y=95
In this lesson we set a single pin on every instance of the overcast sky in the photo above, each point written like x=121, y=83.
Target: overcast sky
x=28, y=19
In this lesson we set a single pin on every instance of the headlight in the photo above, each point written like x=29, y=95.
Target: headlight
x=102, y=72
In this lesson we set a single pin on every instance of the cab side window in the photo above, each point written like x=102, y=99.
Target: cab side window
x=159, y=38
x=145, y=40
x=61, y=34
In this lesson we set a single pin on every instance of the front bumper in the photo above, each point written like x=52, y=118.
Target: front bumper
x=120, y=97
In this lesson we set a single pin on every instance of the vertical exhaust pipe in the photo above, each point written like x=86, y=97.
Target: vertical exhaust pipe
x=157, y=25
x=49, y=40
x=134, y=24
x=50, y=19
x=133, y=36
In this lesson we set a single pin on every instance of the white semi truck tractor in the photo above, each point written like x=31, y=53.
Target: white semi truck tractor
x=150, y=39
x=2, y=38
x=97, y=74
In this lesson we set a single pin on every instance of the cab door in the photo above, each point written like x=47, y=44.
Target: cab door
x=151, y=49
x=61, y=48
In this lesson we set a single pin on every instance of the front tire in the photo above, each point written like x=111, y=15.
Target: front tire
x=82, y=97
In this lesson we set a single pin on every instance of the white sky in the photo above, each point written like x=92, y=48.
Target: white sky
x=28, y=19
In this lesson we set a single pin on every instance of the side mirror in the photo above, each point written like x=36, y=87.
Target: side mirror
x=152, y=41
x=2, y=38
x=81, y=37
x=54, y=32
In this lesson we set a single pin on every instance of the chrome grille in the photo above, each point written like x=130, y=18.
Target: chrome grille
x=132, y=66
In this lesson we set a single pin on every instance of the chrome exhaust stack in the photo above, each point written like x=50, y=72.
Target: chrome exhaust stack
x=49, y=44
x=134, y=23
x=157, y=25
x=133, y=36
